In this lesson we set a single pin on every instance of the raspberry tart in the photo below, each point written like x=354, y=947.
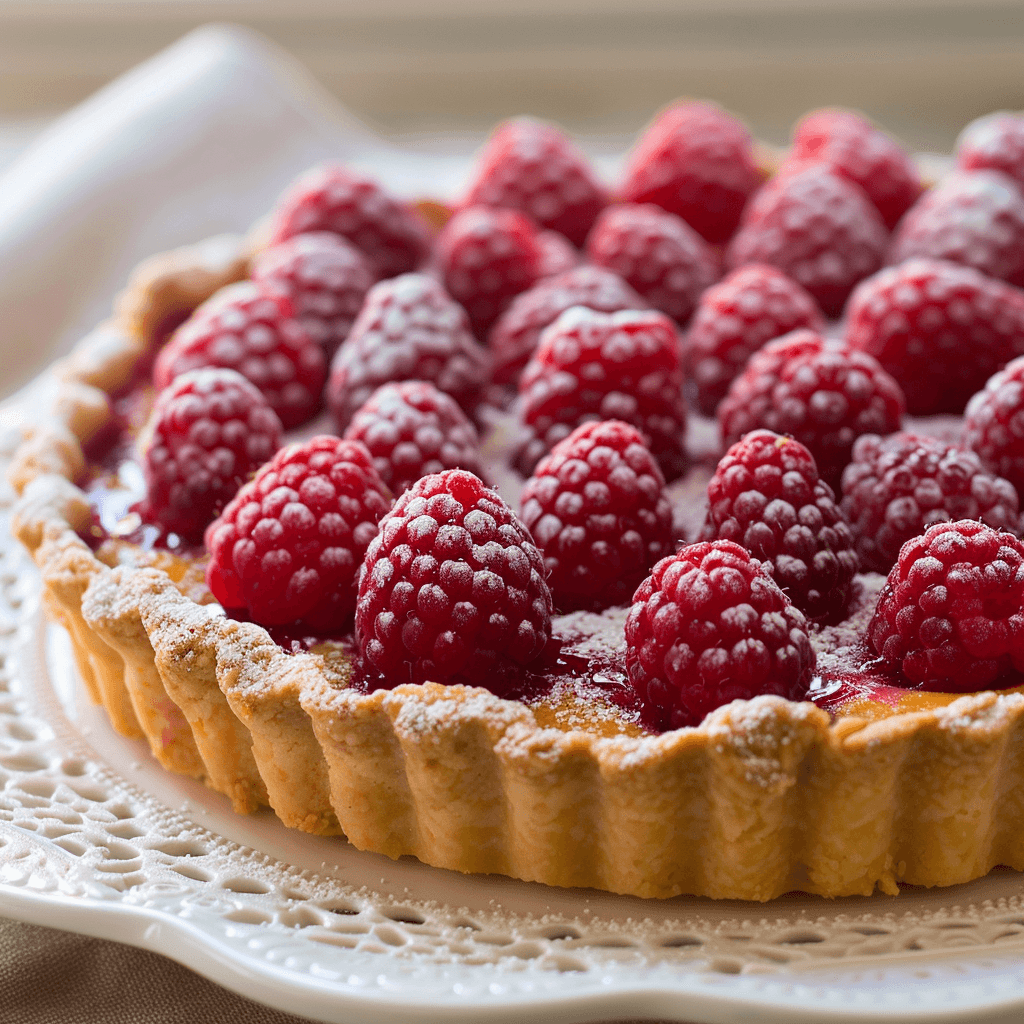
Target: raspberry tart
x=534, y=640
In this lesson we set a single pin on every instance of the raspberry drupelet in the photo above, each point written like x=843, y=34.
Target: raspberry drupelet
x=734, y=318
x=208, y=430
x=535, y=168
x=767, y=496
x=603, y=366
x=951, y=615
x=452, y=589
x=822, y=392
x=710, y=626
x=994, y=424
x=288, y=546
x=896, y=487
x=412, y=430
x=408, y=329
x=597, y=508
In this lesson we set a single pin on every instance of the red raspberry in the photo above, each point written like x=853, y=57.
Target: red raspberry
x=452, y=589
x=824, y=393
x=856, y=149
x=603, y=366
x=734, y=319
x=249, y=328
x=412, y=430
x=326, y=279
x=972, y=217
x=656, y=252
x=597, y=508
x=331, y=197
x=994, y=425
x=710, y=626
x=697, y=162
x=951, y=615
x=515, y=335
x=409, y=329
x=940, y=329
x=488, y=256
x=208, y=430
x=535, y=168
x=767, y=496
x=898, y=486
x=818, y=227
x=993, y=143
x=288, y=546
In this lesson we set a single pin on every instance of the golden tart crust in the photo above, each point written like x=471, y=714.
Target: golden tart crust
x=764, y=797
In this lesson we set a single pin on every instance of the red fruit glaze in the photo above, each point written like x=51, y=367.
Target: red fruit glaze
x=710, y=626
x=993, y=143
x=994, y=424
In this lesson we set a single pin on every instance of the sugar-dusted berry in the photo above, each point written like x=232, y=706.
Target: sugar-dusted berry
x=994, y=424
x=994, y=142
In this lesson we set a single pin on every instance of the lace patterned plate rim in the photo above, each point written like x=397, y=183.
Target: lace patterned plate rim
x=95, y=837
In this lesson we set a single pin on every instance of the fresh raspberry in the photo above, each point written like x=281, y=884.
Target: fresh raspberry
x=656, y=252
x=208, y=430
x=856, y=149
x=951, y=615
x=597, y=508
x=326, y=279
x=488, y=256
x=939, y=328
x=288, y=546
x=994, y=425
x=452, y=588
x=535, y=168
x=993, y=143
x=710, y=626
x=331, y=197
x=249, y=328
x=824, y=393
x=409, y=329
x=971, y=217
x=603, y=366
x=818, y=227
x=734, y=319
x=767, y=496
x=515, y=335
x=898, y=486
x=412, y=430
x=697, y=162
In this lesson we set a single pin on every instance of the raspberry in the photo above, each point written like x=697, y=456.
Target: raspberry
x=856, y=149
x=971, y=217
x=657, y=253
x=412, y=430
x=534, y=168
x=326, y=279
x=993, y=143
x=697, y=162
x=824, y=393
x=951, y=615
x=515, y=335
x=408, y=329
x=288, y=546
x=940, y=329
x=597, y=508
x=818, y=227
x=249, y=328
x=767, y=496
x=452, y=589
x=602, y=366
x=208, y=430
x=896, y=487
x=734, y=319
x=331, y=197
x=994, y=424
x=710, y=626
x=489, y=256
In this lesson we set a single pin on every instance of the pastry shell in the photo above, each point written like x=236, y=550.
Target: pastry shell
x=764, y=797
